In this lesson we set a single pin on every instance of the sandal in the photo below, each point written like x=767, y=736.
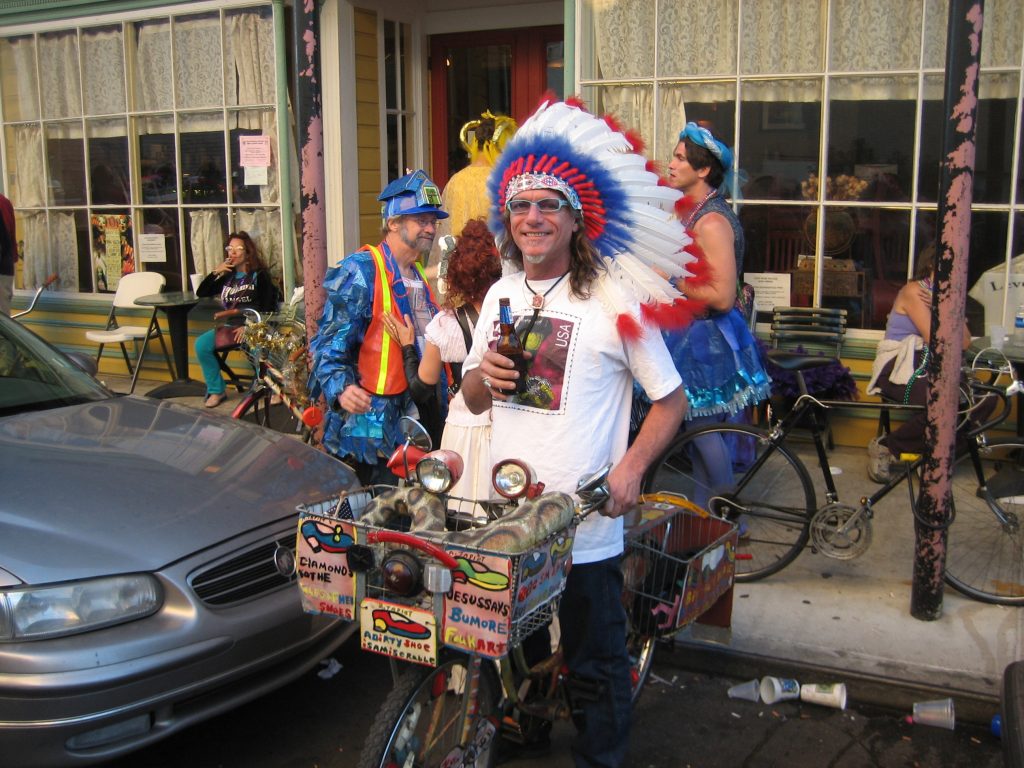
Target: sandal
x=215, y=399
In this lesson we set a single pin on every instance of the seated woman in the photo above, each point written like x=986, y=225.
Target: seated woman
x=898, y=372
x=472, y=267
x=242, y=282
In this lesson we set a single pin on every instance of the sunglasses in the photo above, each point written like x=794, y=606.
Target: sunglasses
x=519, y=206
x=234, y=249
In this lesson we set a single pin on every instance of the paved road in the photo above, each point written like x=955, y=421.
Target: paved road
x=683, y=719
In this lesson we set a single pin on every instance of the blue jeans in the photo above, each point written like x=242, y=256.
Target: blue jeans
x=208, y=362
x=593, y=626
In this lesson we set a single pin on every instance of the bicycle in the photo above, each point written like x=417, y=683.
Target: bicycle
x=463, y=627
x=774, y=501
x=276, y=348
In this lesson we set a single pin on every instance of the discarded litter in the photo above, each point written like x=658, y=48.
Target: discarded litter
x=749, y=690
x=331, y=667
x=938, y=713
x=826, y=694
x=779, y=689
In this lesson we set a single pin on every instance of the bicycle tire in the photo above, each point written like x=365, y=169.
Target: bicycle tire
x=428, y=697
x=255, y=408
x=984, y=556
x=775, y=492
x=640, y=642
x=1012, y=709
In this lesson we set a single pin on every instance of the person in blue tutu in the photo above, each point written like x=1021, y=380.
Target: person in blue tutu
x=716, y=354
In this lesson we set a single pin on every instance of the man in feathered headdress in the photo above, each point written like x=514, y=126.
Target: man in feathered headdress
x=356, y=365
x=578, y=209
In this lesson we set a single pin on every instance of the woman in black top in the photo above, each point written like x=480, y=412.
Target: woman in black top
x=241, y=281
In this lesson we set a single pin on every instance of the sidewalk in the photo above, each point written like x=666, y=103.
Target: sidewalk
x=822, y=620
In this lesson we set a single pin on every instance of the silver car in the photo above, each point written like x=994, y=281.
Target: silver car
x=145, y=562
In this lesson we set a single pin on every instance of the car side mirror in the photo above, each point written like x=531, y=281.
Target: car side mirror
x=86, y=362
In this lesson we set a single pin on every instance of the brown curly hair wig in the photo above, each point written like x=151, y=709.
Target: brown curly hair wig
x=253, y=259
x=473, y=266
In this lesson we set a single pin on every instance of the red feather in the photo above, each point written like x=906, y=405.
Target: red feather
x=684, y=207
x=572, y=101
x=700, y=268
x=612, y=122
x=629, y=329
x=636, y=140
x=673, y=316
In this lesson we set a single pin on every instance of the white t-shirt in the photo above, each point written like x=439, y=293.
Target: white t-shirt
x=575, y=417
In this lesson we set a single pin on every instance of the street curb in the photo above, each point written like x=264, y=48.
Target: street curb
x=885, y=693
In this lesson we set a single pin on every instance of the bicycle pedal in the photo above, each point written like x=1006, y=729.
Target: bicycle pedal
x=909, y=458
x=546, y=667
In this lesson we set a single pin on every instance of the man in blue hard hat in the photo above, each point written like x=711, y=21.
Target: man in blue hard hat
x=356, y=365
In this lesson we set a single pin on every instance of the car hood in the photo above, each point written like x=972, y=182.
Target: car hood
x=133, y=484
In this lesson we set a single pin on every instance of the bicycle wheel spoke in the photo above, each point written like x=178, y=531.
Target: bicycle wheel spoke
x=985, y=554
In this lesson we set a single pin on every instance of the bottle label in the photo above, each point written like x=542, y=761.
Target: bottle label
x=1018, y=321
x=505, y=314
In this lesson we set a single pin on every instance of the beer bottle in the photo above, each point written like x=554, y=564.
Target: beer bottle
x=509, y=343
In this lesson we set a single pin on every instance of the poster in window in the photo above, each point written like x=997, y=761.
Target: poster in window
x=113, y=255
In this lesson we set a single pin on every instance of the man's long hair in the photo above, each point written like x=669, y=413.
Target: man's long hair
x=585, y=262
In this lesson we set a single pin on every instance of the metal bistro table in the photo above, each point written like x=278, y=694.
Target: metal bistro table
x=176, y=305
x=1012, y=352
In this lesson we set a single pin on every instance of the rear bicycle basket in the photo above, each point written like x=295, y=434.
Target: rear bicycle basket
x=678, y=561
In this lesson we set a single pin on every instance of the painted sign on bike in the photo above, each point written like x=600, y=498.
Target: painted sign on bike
x=478, y=607
x=541, y=573
x=400, y=631
x=326, y=582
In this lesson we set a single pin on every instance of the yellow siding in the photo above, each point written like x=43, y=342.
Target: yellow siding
x=368, y=124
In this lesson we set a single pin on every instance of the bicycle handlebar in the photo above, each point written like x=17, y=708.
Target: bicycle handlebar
x=407, y=539
x=1000, y=414
x=50, y=280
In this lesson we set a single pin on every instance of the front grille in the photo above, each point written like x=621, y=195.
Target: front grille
x=244, y=576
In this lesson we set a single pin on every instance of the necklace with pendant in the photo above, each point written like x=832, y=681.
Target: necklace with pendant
x=537, y=302
x=701, y=204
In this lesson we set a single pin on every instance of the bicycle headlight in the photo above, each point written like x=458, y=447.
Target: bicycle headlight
x=34, y=613
x=513, y=478
x=439, y=470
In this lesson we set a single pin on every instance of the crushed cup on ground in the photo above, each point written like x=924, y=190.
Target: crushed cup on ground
x=775, y=689
x=939, y=713
x=749, y=690
x=825, y=694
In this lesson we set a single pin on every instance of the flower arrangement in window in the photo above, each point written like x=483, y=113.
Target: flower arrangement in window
x=841, y=187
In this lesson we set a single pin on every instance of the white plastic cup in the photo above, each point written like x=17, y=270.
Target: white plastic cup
x=195, y=280
x=827, y=694
x=997, y=336
x=775, y=689
x=749, y=691
x=938, y=713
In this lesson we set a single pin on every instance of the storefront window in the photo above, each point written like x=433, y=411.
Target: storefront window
x=125, y=129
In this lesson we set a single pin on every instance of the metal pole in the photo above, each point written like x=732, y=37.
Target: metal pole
x=956, y=188
x=309, y=118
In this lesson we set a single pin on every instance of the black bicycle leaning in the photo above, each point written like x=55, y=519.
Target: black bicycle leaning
x=770, y=494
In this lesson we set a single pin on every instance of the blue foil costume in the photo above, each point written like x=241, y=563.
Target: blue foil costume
x=335, y=356
x=717, y=356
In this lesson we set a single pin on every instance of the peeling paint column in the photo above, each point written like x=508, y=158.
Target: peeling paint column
x=956, y=189
x=309, y=119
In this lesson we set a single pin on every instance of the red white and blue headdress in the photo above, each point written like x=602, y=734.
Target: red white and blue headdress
x=628, y=212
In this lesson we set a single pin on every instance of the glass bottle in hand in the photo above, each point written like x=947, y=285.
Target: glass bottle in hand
x=509, y=343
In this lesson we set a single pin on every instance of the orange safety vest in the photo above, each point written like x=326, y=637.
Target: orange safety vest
x=381, y=369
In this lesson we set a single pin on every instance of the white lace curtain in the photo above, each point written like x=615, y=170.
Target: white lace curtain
x=721, y=38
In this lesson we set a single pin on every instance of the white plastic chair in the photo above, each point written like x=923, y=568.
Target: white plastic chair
x=129, y=288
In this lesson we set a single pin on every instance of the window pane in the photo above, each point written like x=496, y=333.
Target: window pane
x=1001, y=38
x=997, y=106
x=153, y=78
x=711, y=103
x=404, y=66
x=25, y=165
x=205, y=232
x=393, y=148
x=64, y=154
x=780, y=142
x=620, y=33
x=881, y=249
x=986, y=270
x=694, y=38
x=243, y=191
x=869, y=137
x=58, y=75
x=390, y=66
x=555, y=68
x=113, y=250
x=197, y=61
x=875, y=34
x=202, y=162
x=775, y=236
x=109, y=172
x=766, y=22
x=158, y=175
x=18, y=70
x=249, y=60
x=103, y=70
x=164, y=222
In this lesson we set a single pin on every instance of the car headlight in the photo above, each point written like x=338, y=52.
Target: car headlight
x=513, y=478
x=35, y=613
x=439, y=470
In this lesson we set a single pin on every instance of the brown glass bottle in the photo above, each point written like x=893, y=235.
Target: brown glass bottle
x=509, y=343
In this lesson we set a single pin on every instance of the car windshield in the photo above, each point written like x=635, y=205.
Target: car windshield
x=35, y=376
